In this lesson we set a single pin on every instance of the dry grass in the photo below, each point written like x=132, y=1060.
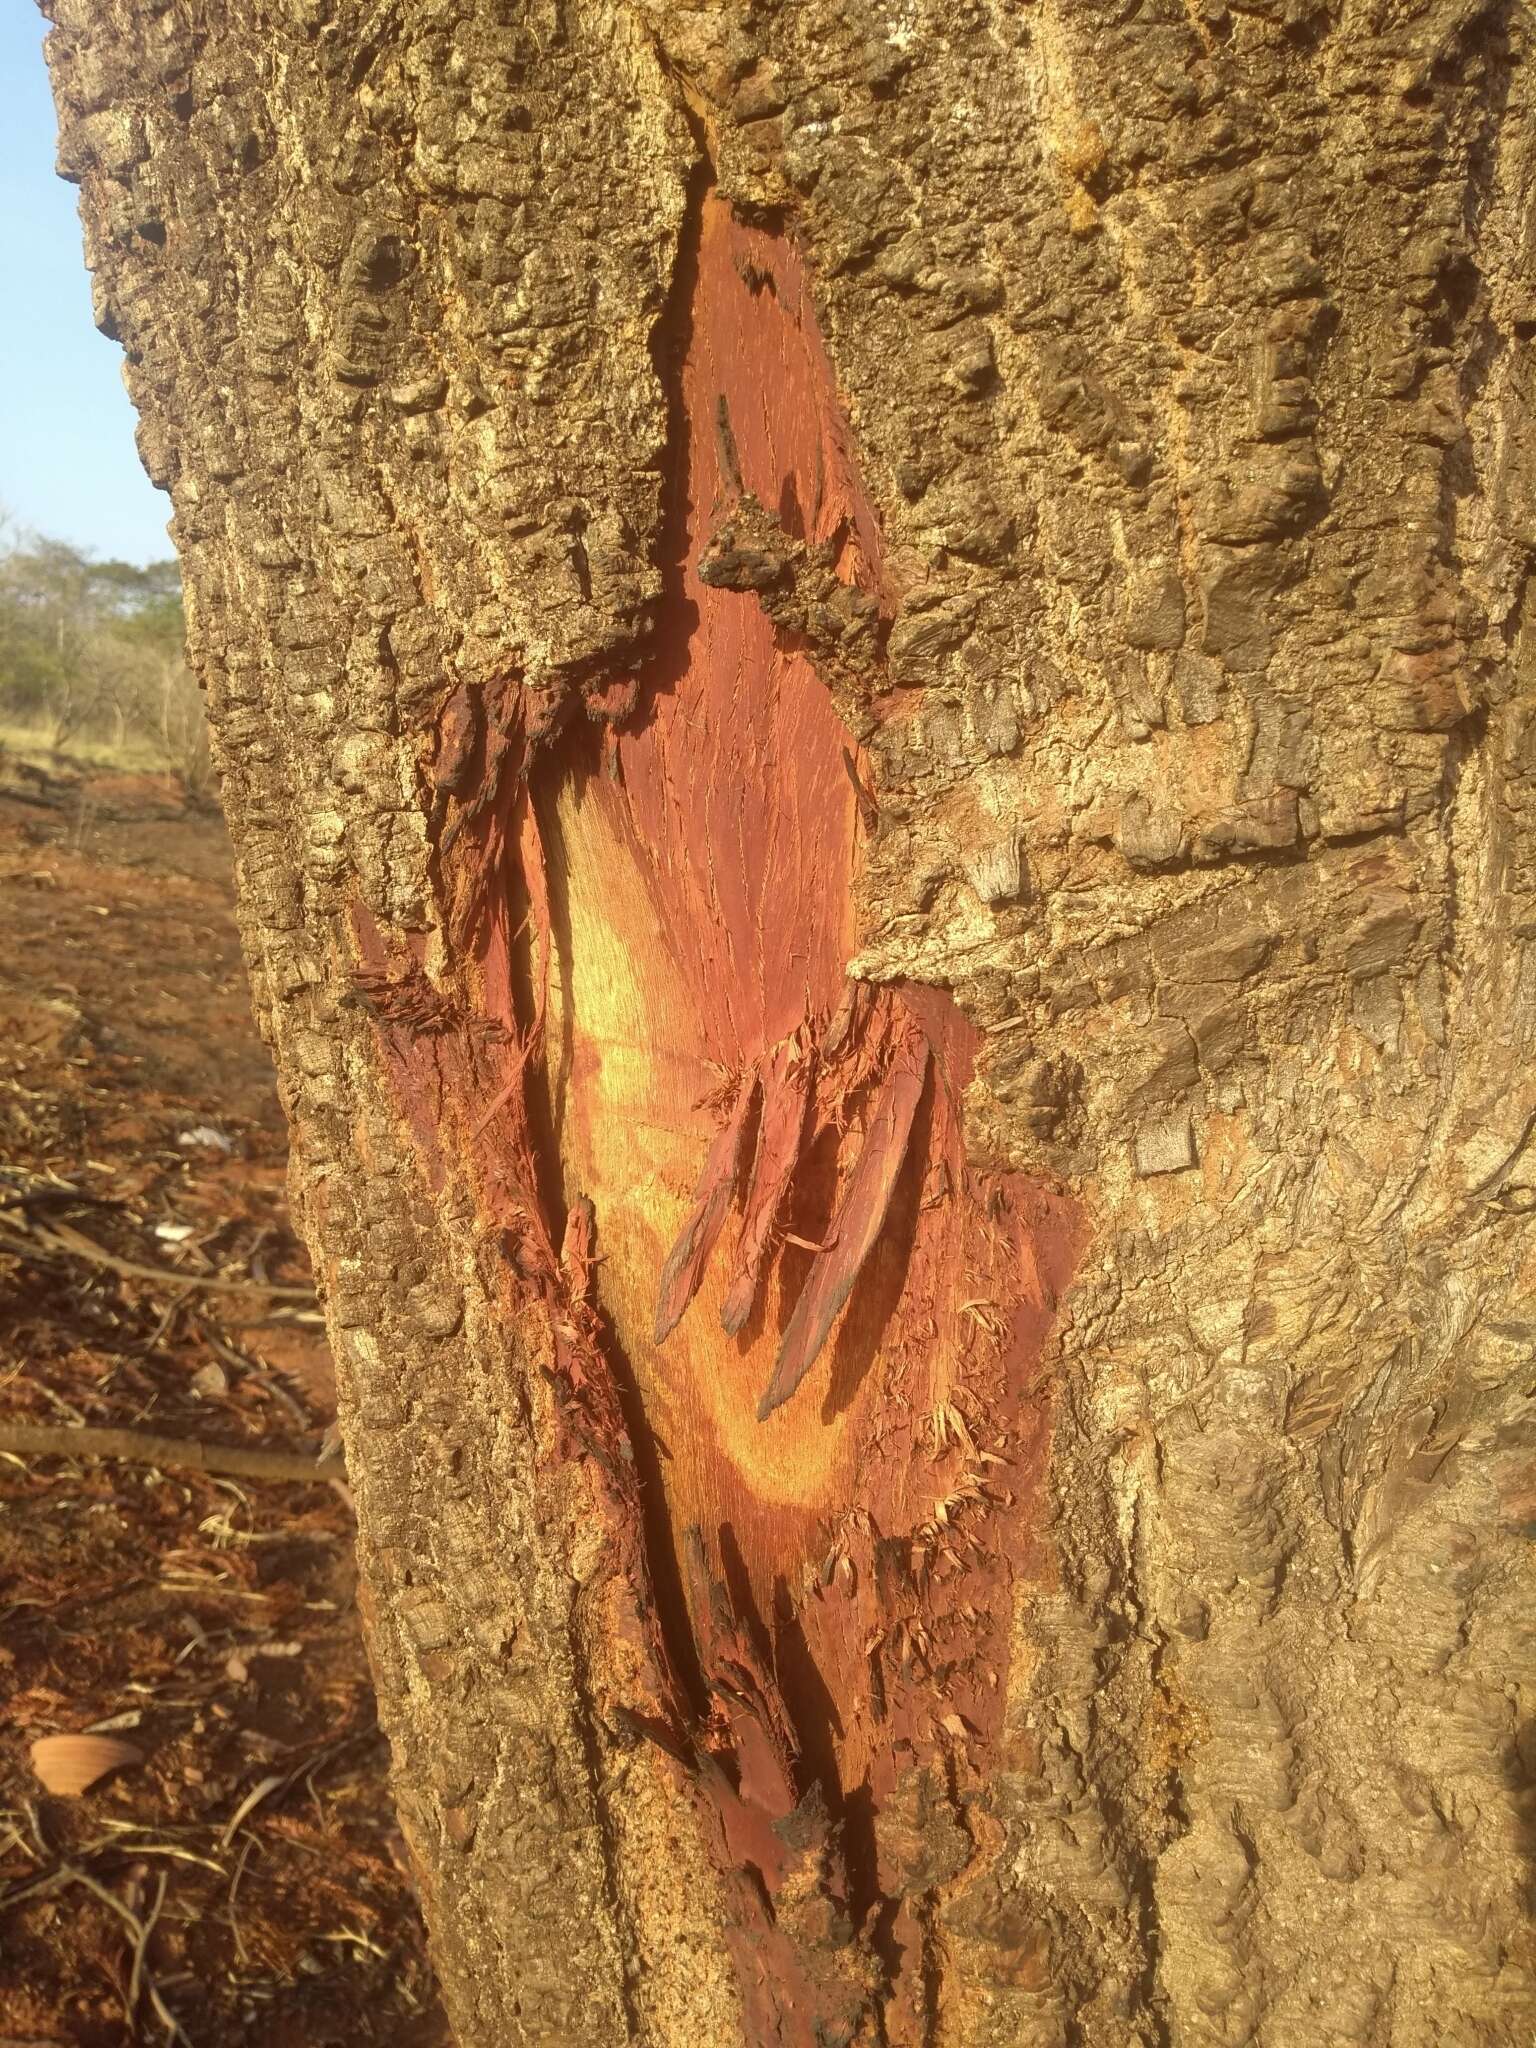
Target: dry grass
x=135, y=754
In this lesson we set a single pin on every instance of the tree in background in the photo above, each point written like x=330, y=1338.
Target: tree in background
x=97, y=648
x=871, y=671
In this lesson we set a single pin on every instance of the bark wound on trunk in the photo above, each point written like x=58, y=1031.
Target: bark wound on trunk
x=797, y=1328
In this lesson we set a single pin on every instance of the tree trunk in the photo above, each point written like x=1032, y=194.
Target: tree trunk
x=867, y=669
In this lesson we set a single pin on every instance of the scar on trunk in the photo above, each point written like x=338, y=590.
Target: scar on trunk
x=797, y=1334
x=801, y=1269
x=855, y=1227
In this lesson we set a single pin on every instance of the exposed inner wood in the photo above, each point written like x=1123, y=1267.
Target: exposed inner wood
x=847, y=1315
x=795, y=1338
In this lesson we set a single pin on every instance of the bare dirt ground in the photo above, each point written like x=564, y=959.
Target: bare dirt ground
x=242, y=1880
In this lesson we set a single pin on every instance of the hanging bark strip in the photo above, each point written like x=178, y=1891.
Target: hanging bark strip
x=786, y=1082
x=860, y=1216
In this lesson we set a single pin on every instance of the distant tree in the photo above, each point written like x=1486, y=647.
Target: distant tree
x=91, y=646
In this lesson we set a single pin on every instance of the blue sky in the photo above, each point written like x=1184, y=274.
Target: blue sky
x=68, y=466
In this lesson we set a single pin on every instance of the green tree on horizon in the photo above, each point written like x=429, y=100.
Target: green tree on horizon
x=94, y=646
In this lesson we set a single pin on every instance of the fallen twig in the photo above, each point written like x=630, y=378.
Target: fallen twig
x=68, y=1874
x=61, y=1241
x=54, y=1440
x=277, y=1782
x=138, y=1974
x=310, y=1761
x=249, y=1368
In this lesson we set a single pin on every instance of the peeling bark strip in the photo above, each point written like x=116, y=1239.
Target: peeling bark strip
x=684, y=1269
x=786, y=1080
x=856, y=1225
x=1159, y=760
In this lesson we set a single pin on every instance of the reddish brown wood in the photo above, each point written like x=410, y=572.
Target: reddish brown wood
x=712, y=869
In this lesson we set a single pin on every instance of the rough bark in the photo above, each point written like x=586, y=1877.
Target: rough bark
x=1029, y=505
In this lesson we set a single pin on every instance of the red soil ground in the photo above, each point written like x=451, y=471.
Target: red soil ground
x=244, y=1881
